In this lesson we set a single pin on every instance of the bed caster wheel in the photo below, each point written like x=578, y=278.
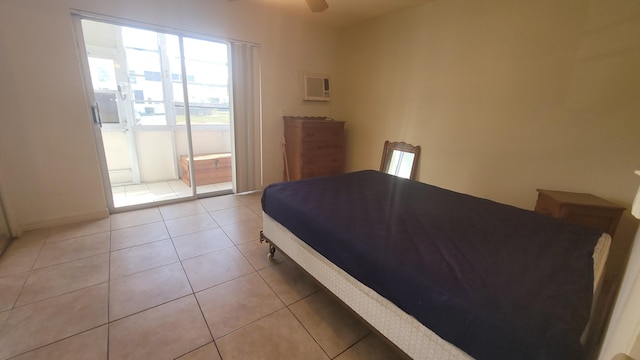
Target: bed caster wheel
x=272, y=252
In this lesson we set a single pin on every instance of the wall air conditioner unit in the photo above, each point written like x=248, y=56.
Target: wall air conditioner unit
x=315, y=87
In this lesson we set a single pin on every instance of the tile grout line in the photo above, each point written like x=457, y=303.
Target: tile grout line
x=63, y=339
x=288, y=307
x=109, y=291
x=109, y=252
x=236, y=278
x=24, y=283
x=193, y=293
x=31, y=271
x=320, y=288
x=305, y=328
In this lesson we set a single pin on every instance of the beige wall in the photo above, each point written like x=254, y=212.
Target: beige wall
x=623, y=335
x=48, y=167
x=49, y=173
x=503, y=97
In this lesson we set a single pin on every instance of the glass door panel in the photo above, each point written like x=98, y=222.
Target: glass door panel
x=139, y=144
x=108, y=78
x=207, y=85
x=143, y=89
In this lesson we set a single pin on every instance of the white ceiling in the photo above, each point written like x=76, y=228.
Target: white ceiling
x=343, y=13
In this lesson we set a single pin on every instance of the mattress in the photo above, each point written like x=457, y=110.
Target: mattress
x=403, y=330
x=494, y=280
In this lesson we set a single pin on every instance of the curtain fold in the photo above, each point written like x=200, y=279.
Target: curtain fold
x=247, y=117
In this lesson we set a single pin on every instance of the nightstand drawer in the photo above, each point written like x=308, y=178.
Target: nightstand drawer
x=598, y=218
x=580, y=209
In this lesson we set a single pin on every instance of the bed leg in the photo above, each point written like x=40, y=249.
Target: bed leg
x=272, y=249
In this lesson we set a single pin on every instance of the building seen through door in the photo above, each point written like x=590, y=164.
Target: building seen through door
x=164, y=106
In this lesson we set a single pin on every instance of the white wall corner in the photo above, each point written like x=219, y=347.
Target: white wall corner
x=624, y=328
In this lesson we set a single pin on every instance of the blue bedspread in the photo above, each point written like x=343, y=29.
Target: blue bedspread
x=497, y=281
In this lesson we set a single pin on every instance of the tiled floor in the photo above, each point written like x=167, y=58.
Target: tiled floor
x=125, y=195
x=188, y=281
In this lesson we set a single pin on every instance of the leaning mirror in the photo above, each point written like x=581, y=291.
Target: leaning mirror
x=400, y=159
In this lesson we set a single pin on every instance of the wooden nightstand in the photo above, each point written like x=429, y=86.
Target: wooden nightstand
x=590, y=211
x=581, y=209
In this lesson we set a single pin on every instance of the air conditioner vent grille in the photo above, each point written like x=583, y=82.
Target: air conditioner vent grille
x=316, y=88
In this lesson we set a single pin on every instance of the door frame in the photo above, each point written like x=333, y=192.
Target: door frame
x=77, y=17
x=85, y=72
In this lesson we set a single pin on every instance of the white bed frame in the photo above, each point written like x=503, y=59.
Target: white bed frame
x=400, y=328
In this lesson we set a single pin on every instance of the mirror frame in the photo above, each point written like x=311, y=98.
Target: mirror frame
x=388, y=149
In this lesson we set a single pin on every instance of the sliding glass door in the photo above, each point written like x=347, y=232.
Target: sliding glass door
x=162, y=109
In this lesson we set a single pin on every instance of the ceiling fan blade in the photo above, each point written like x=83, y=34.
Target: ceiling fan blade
x=317, y=5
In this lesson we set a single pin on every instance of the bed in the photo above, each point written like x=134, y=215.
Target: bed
x=442, y=275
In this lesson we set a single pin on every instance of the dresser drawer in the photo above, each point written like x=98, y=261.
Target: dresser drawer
x=322, y=147
x=335, y=160
x=321, y=171
x=315, y=131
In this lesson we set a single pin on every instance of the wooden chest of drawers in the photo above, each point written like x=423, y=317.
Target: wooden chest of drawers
x=314, y=147
x=208, y=169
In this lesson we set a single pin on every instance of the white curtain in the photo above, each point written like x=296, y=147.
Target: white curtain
x=247, y=116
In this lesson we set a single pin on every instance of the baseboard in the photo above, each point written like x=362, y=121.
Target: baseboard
x=96, y=215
